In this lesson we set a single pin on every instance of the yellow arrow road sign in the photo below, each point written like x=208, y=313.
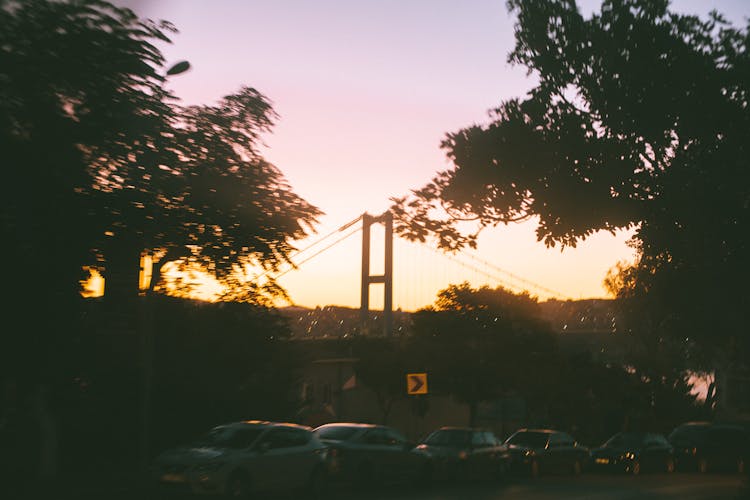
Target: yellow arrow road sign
x=416, y=383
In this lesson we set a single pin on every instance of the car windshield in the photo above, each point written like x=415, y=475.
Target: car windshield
x=530, y=439
x=336, y=432
x=626, y=440
x=230, y=437
x=452, y=437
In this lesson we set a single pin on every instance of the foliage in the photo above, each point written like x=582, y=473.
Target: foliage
x=485, y=345
x=102, y=165
x=73, y=76
x=212, y=363
x=219, y=362
x=230, y=207
x=639, y=119
x=382, y=365
x=478, y=344
x=105, y=164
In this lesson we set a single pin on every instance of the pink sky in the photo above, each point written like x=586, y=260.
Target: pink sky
x=365, y=91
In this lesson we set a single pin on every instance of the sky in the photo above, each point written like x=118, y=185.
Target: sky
x=366, y=90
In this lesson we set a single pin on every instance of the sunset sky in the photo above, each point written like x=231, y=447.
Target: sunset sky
x=366, y=90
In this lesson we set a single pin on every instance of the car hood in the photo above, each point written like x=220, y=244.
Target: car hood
x=612, y=452
x=519, y=448
x=192, y=454
x=440, y=451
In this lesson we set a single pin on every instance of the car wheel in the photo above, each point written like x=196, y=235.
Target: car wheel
x=317, y=484
x=365, y=475
x=424, y=474
x=635, y=467
x=702, y=465
x=463, y=472
x=577, y=468
x=669, y=465
x=238, y=486
x=502, y=471
x=534, y=468
x=421, y=476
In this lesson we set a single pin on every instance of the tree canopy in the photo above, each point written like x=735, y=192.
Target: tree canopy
x=638, y=119
x=104, y=164
x=101, y=165
x=477, y=343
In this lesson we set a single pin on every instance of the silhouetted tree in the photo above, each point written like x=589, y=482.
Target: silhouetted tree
x=639, y=119
x=219, y=362
x=212, y=363
x=106, y=165
x=478, y=344
x=102, y=165
x=382, y=367
x=221, y=206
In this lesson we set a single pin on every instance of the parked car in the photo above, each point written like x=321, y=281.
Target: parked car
x=463, y=452
x=363, y=454
x=634, y=452
x=538, y=451
x=240, y=458
x=705, y=446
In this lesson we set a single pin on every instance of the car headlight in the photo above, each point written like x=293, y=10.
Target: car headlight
x=463, y=455
x=528, y=453
x=628, y=456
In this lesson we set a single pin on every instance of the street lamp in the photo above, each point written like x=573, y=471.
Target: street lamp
x=147, y=337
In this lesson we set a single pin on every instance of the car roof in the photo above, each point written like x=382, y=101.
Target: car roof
x=539, y=431
x=459, y=428
x=639, y=434
x=695, y=424
x=264, y=424
x=723, y=425
x=350, y=424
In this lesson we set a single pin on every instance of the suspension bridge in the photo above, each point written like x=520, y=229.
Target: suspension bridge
x=429, y=268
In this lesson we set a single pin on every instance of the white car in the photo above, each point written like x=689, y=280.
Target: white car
x=242, y=458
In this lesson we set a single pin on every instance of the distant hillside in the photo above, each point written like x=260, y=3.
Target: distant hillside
x=572, y=316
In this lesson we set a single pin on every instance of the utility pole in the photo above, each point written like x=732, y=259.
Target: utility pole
x=386, y=278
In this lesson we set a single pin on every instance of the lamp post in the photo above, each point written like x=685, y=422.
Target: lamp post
x=146, y=320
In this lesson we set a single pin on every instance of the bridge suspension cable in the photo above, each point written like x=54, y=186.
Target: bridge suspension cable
x=537, y=286
x=344, y=227
x=315, y=243
x=336, y=242
x=494, y=277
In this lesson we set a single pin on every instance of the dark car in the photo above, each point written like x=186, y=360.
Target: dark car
x=705, y=446
x=363, y=454
x=538, y=451
x=463, y=452
x=634, y=452
x=244, y=457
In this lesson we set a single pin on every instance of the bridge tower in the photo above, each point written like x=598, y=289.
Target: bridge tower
x=386, y=218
